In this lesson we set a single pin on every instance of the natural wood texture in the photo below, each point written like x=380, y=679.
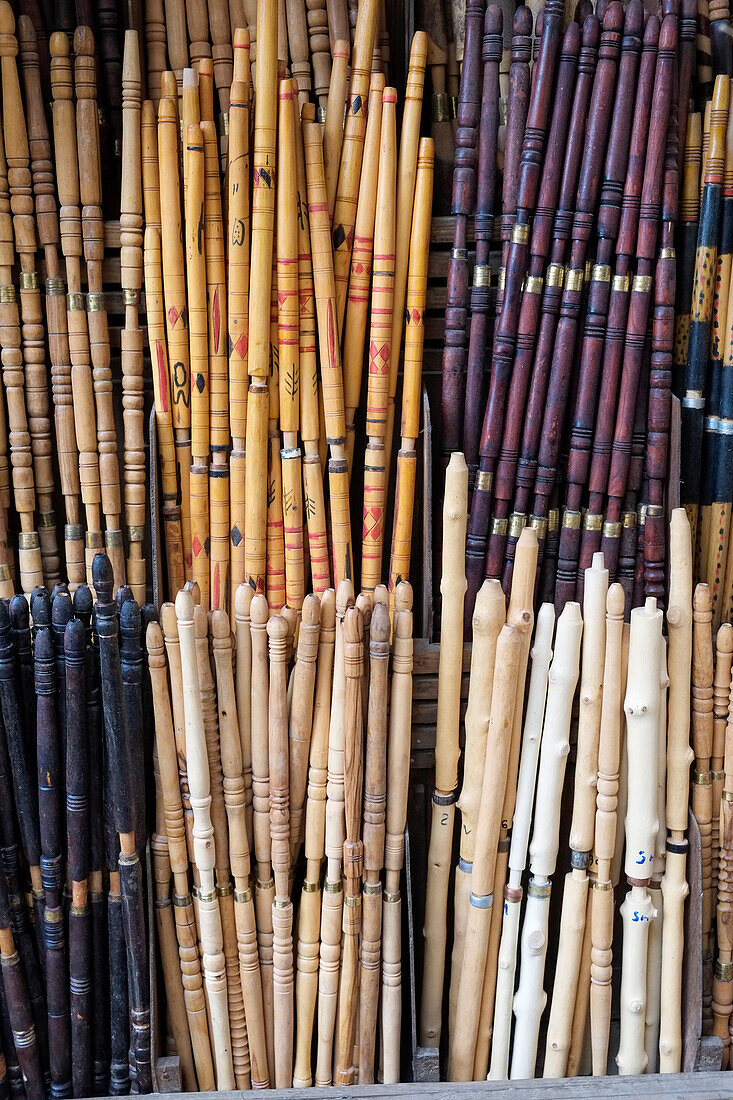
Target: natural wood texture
x=453, y=588
x=333, y=128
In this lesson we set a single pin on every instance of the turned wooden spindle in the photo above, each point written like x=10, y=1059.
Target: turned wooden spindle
x=90, y=188
x=320, y=50
x=702, y=723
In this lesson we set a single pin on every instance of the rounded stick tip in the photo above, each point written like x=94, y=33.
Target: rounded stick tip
x=40, y=607
x=380, y=594
x=58, y=44
x=344, y=595
x=243, y=600
x=168, y=620
x=75, y=638
x=702, y=599
x=634, y=22
x=62, y=610
x=220, y=624
x=403, y=596
x=311, y=610
x=200, y=622
x=130, y=619
x=328, y=609
x=341, y=48
x=83, y=42
x=190, y=78
x=26, y=32
x=83, y=600
x=168, y=84
x=43, y=645
x=184, y=606
x=7, y=21
x=353, y=626
x=724, y=640
x=277, y=628
x=19, y=615
x=591, y=32
x=419, y=50
x=241, y=38
x=613, y=20
x=102, y=577
x=154, y=637
x=193, y=588
x=259, y=610
x=380, y=624
x=615, y=600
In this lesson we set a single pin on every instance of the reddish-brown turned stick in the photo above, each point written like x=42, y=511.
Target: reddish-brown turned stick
x=529, y=313
x=505, y=334
x=484, y=223
x=646, y=246
x=594, y=332
x=463, y=204
x=557, y=351
x=476, y=542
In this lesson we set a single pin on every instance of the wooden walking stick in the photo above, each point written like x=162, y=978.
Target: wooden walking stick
x=18, y=1005
x=331, y=915
x=90, y=188
x=654, y=949
x=507, y=961
x=48, y=235
x=306, y=979
x=721, y=691
x=330, y=358
x=282, y=909
x=410, y=153
x=398, y=773
x=77, y=829
x=176, y=315
x=489, y=616
x=375, y=802
x=24, y=230
x=601, y=905
x=176, y=838
x=314, y=508
x=362, y=262
x=49, y=812
x=301, y=717
x=353, y=848
x=463, y=202
x=352, y=150
x=209, y=918
x=641, y=706
x=723, y=979
x=380, y=335
x=263, y=213
x=199, y=359
x=237, y=304
x=265, y=886
x=399, y=567
x=453, y=588
x=488, y=827
x=288, y=315
x=131, y=267
x=121, y=768
x=679, y=758
x=530, y=998
x=333, y=128
x=521, y=615
x=702, y=743
x=243, y=679
x=575, y=894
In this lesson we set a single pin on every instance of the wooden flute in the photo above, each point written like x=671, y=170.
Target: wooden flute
x=693, y=402
x=609, y=217
x=49, y=810
x=532, y=296
x=463, y=204
x=118, y=742
x=90, y=190
x=486, y=151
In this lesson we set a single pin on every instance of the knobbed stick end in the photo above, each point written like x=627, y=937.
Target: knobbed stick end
x=344, y=595
x=168, y=620
x=200, y=622
x=419, y=49
x=75, y=640
x=615, y=601
x=148, y=614
x=83, y=42
x=184, y=606
x=102, y=578
x=634, y=23
x=58, y=44
x=243, y=600
x=259, y=610
x=613, y=21
x=122, y=595
x=168, y=89
x=130, y=621
x=40, y=607
x=724, y=640
x=277, y=629
x=45, y=667
x=62, y=611
x=380, y=625
x=403, y=596
x=702, y=600
x=241, y=38
x=7, y=27
x=193, y=588
x=154, y=640
x=19, y=614
x=328, y=609
x=220, y=625
x=166, y=107
x=26, y=33
x=353, y=627
x=131, y=58
x=311, y=610
x=83, y=602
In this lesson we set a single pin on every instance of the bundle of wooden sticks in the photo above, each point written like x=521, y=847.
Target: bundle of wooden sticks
x=566, y=423
x=629, y=808
x=74, y=994
x=252, y=766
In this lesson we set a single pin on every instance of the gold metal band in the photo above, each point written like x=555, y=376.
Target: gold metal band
x=243, y=896
x=520, y=234
x=75, y=302
x=113, y=540
x=28, y=540
x=593, y=522
x=54, y=286
x=553, y=519
x=654, y=510
x=28, y=280
x=224, y=123
x=574, y=280
x=95, y=302
x=571, y=520
x=310, y=887
x=94, y=540
x=601, y=273
x=533, y=284
x=484, y=481
x=642, y=284
x=441, y=107
x=517, y=523
x=498, y=526
x=390, y=897
x=225, y=891
x=667, y=254
x=539, y=525
x=130, y=297
x=501, y=278
x=621, y=283
x=482, y=275
x=628, y=519
x=611, y=530
x=135, y=533
x=73, y=532
x=372, y=888
x=4, y=573
x=7, y=294
x=555, y=275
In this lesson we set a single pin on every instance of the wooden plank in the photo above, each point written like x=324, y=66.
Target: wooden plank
x=679, y=1086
